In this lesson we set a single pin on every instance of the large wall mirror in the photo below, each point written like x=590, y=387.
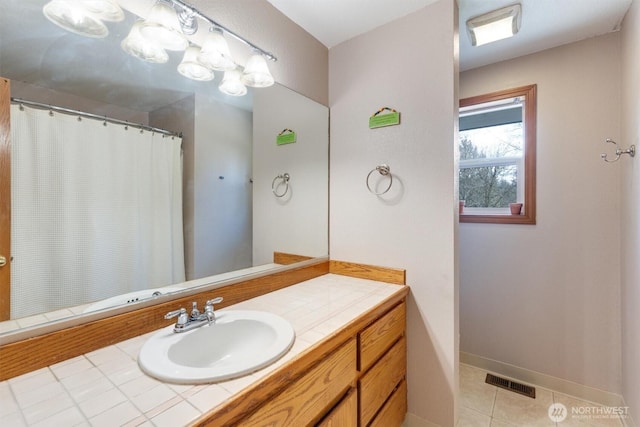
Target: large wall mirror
x=215, y=205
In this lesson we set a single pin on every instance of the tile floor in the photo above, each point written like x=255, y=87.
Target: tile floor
x=484, y=405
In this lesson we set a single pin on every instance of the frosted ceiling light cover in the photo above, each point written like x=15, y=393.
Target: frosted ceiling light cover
x=493, y=26
x=136, y=45
x=256, y=72
x=162, y=26
x=74, y=17
x=215, y=52
x=231, y=84
x=107, y=10
x=191, y=68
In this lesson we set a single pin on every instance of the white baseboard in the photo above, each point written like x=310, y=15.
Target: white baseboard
x=545, y=381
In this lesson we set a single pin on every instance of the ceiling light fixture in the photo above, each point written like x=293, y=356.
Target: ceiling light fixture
x=191, y=68
x=73, y=16
x=215, y=52
x=136, y=45
x=496, y=25
x=163, y=26
x=256, y=72
x=167, y=26
x=232, y=85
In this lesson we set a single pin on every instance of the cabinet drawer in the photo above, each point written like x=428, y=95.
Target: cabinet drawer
x=394, y=411
x=380, y=335
x=345, y=414
x=376, y=385
x=308, y=398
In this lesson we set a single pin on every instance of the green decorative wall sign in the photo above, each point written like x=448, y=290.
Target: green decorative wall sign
x=287, y=136
x=381, y=120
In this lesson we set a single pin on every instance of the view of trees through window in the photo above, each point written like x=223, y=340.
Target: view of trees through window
x=491, y=166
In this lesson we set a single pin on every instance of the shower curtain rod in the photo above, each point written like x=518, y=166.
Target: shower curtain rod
x=94, y=116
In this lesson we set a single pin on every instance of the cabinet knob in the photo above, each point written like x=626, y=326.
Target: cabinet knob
x=3, y=261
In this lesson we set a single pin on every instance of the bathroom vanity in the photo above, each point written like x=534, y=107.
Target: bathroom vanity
x=347, y=367
x=355, y=377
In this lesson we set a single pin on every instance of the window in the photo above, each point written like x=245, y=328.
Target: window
x=498, y=156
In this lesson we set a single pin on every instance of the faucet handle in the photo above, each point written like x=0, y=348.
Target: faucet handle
x=183, y=319
x=215, y=301
x=208, y=309
x=174, y=313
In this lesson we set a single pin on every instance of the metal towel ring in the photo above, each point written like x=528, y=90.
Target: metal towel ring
x=285, y=180
x=383, y=170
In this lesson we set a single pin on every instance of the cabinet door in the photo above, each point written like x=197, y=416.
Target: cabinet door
x=345, y=414
x=310, y=397
x=394, y=410
x=380, y=336
x=381, y=380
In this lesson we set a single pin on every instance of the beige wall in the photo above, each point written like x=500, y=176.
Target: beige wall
x=547, y=297
x=302, y=60
x=222, y=206
x=296, y=222
x=409, y=65
x=630, y=213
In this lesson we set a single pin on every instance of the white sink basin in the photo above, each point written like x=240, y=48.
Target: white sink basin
x=240, y=342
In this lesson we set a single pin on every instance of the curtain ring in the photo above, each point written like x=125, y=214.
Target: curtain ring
x=383, y=170
x=285, y=180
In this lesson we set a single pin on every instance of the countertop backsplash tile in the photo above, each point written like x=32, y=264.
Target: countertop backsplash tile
x=107, y=388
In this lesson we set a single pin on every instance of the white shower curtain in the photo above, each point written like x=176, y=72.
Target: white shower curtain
x=96, y=211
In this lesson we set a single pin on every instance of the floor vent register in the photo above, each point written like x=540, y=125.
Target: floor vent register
x=506, y=384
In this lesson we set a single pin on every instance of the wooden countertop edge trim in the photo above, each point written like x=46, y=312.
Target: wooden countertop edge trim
x=394, y=276
x=249, y=400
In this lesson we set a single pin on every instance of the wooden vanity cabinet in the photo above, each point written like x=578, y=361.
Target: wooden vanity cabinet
x=304, y=401
x=359, y=384
x=382, y=370
x=344, y=414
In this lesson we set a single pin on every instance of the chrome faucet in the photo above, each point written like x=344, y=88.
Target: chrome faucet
x=187, y=322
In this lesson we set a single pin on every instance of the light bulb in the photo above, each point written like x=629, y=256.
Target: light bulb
x=162, y=26
x=74, y=17
x=191, y=68
x=215, y=52
x=256, y=72
x=136, y=45
x=231, y=84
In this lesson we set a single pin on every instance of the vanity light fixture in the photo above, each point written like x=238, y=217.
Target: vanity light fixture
x=215, y=52
x=166, y=27
x=232, y=85
x=73, y=16
x=191, y=68
x=256, y=72
x=496, y=25
x=163, y=26
x=136, y=45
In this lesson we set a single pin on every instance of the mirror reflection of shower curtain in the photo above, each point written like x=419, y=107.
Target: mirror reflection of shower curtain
x=96, y=211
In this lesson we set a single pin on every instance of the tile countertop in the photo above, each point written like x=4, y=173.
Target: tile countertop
x=107, y=388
